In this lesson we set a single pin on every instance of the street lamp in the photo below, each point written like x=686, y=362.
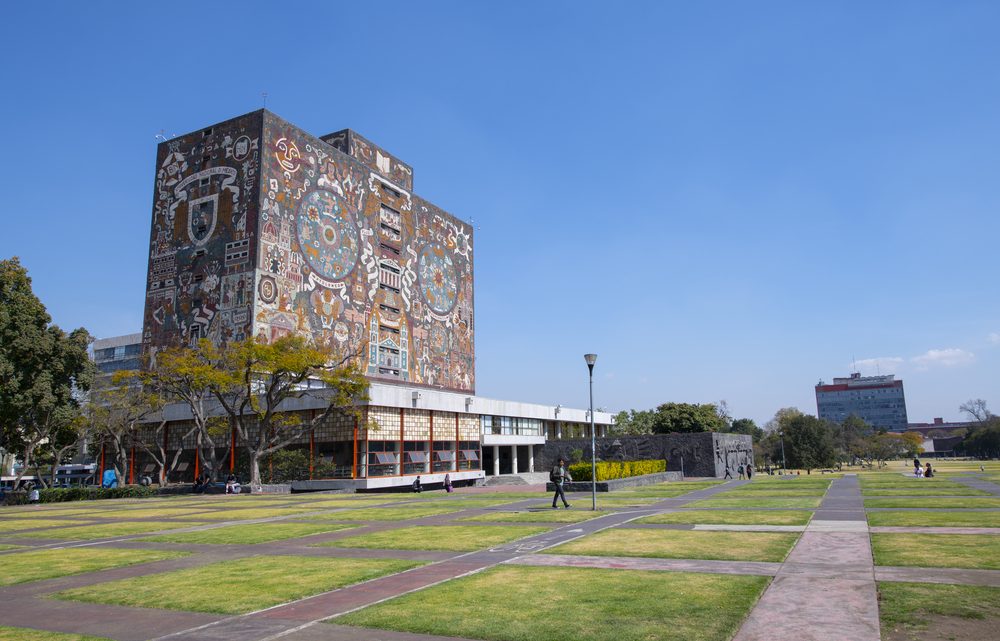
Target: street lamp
x=591, y=359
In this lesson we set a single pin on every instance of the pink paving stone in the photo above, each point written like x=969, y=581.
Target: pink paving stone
x=806, y=608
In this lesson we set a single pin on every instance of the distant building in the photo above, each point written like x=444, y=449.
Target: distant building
x=117, y=353
x=877, y=400
x=939, y=425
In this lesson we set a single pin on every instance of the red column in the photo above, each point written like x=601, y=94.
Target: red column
x=232, y=449
x=430, y=450
x=131, y=467
x=354, y=460
x=312, y=449
x=102, y=464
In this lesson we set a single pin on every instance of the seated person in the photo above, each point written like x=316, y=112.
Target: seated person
x=416, y=485
x=231, y=482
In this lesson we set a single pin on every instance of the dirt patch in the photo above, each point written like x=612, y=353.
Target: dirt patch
x=941, y=628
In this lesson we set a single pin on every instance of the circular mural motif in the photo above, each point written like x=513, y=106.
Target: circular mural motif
x=267, y=289
x=438, y=279
x=328, y=239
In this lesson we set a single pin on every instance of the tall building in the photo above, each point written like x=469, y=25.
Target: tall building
x=878, y=400
x=260, y=229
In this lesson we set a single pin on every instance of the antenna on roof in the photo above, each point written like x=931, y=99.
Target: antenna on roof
x=263, y=96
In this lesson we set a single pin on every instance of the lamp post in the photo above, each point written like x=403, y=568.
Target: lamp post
x=784, y=468
x=591, y=359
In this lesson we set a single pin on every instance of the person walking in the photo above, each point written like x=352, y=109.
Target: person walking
x=447, y=483
x=558, y=476
x=416, y=485
x=739, y=470
x=749, y=471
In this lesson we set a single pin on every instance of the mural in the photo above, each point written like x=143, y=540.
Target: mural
x=262, y=229
x=201, y=274
x=348, y=255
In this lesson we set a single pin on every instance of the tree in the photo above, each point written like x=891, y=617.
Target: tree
x=748, y=427
x=851, y=439
x=808, y=442
x=687, y=417
x=190, y=375
x=913, y=442
x=984, y=441
x=118, y=407
x=976, y=409
x=781, y=419
x=632, y=422
x=263, y=376
x=43, y=371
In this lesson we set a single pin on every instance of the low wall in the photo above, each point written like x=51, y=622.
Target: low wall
x=701, y=454
x=618, y=484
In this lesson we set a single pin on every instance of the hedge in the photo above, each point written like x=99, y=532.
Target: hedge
x=61, y=495
x=608, y=470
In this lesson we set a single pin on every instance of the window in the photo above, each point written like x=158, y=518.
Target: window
x=383, y=458
x=388, y=288
x=387, y=308
x=385, y=328
x=389, y=248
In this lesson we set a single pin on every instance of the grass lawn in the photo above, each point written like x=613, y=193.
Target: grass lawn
x=20, y=634
x=48, y=564
x=768, y=490
x=250, y=534
x=754, y=501
x=973, y=551
x=731, y=517
x=911, y=607
x=150, y=513
x=923, y=491
x=572, y=604
x=683, y=544
x=387, y=513
x=223, y=514
x=935, y=503
x=465, y=504
x=8, y=547
x=17, y=525
x=235, y=587
x=109, y=530
x=583, y=502
x=546, y=515
x=934, y=518
x=452, y=538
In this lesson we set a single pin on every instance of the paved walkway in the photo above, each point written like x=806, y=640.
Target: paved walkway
x=825, y=589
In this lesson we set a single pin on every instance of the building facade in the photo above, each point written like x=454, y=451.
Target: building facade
x=260, y=229
x=117, y=353
x=877, y=400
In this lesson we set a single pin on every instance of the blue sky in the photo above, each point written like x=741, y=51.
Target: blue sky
x=726, y=201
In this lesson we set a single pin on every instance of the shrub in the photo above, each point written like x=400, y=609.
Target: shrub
x=608, y=470
x=62, y=495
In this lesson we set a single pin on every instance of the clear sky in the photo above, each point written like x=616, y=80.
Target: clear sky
x=724, y=200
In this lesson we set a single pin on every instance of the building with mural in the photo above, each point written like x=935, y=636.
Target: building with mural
x=260, y=229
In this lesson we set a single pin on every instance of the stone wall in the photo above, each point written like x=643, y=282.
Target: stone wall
x=700, y=454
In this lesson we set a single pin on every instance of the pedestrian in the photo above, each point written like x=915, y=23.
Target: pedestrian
x=416, y=485
x=916, y=466
x=928, y=473
x=729, y=475
x=558, y=476
x=749, y=471
x=33, y=495
x=739, y=471
x=231, y=483
x=447, y=483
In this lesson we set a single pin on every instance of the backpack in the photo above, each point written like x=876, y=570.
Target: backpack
x=552, y=475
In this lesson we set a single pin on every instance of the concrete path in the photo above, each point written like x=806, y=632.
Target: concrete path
x=825, y=589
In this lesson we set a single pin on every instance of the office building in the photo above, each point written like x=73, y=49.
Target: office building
x=877, y=400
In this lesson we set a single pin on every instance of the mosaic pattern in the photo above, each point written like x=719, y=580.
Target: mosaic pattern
x=262, y=229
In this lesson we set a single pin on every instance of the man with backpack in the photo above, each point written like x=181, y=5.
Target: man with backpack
x=558, y=476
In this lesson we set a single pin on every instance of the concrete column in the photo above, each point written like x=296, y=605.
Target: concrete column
x=559, y=430
x=496, y=460
x=513, y=459
x=531, y=458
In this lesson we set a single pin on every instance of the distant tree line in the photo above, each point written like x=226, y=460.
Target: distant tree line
x=800, y=441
